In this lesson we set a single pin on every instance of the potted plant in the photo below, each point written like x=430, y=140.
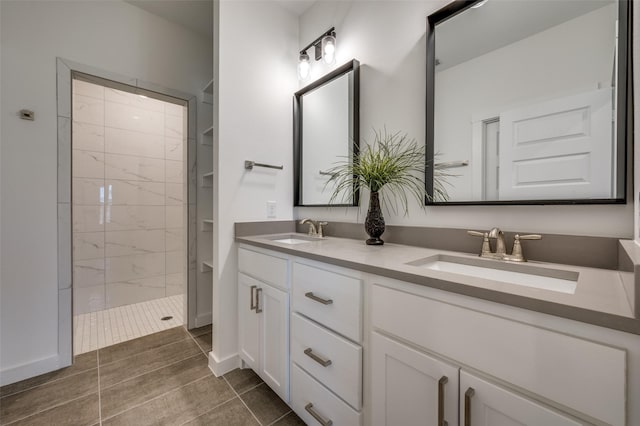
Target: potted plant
x=391, y=168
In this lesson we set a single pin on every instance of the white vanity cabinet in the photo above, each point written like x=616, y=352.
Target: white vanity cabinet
x=326, y=344
x=263, y=316
x=519, y=373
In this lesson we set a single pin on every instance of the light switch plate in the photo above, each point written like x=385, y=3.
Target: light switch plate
x=271, y=209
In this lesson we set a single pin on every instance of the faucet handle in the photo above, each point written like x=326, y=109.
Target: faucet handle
x=486, y=248
x=516, y=252
x=528, y=237
x=320, y=230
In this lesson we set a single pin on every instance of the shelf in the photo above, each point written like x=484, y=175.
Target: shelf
x=208, y=88
x=207, y=180
x=206, y=266
x=207, y=225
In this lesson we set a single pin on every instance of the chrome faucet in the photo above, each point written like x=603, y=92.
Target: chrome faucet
x=500, y=253
x=313, y=231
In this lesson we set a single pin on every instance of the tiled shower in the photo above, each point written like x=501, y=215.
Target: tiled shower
x=129, y=213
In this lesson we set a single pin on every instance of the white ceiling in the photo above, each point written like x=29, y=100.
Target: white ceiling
x=298, y=7
x=197, y=15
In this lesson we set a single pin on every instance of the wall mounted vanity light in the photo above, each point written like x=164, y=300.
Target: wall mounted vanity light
x=325, y=49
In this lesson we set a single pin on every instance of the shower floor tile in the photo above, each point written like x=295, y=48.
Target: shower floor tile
x=99, y=329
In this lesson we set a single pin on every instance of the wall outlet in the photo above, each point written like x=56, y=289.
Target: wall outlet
x=271, y=209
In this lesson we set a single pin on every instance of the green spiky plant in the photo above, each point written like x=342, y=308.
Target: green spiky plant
x=393, y=165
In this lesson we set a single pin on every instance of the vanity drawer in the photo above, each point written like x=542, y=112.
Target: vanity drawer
x=268, y=268
x=307, y=395
x=313, y=347
x=330, y=298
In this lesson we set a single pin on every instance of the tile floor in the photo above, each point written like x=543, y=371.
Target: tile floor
x=99, y=329
x=160, y=379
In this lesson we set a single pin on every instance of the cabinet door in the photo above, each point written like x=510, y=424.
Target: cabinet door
x=485, y=404
x=410, y=387
x=274, y=304
x=248, y=322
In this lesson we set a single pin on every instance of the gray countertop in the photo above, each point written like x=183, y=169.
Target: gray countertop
x=600, y=297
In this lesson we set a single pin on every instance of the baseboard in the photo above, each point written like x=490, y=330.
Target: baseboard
x=203, y=319
x=31, y=369
x=220, y=367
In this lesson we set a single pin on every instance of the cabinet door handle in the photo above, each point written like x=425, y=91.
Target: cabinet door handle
x=323, y=362
x=443, y=381
x=467, y=406
x=252, y=305
x=318, y=417
x=258, y=292
x=312, y=296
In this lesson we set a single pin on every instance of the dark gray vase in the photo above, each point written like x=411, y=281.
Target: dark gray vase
x=374, y=223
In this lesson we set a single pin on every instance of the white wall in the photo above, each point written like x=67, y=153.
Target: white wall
x=110, y=35
x=389, y=39
x=255, y=86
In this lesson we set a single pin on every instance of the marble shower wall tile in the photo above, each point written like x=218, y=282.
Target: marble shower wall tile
x=174, y=109
x=174, y=171
x=88, y=192
x=173, y=148
x=88, y=218
x=132, y=193
x=88, y=245
x=132, y=118
x=174, y=194
x=88, y=299
x=119, y=294
x=125, y=268
x=176, y=262
x=88, y=110
x=128, y=142
x=124, y=243
x=134, y=100
x=88, y=273
x=88, y=164
x=124, y=218
x=129, y=197
x=174, y=127
x=174, y=239
x=85, y=88
x=127, y=167
x=87, y=137
x=175, y=216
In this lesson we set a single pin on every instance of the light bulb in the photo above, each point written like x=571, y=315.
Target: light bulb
x=303, y=66
x=329, y=49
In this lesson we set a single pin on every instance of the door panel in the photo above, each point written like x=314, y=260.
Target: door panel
x=492, y=405
x=275, y=339
x=248, y=322
x=559, y=149
x=405, y=385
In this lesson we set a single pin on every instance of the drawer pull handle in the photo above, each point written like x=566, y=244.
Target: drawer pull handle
x=323, y=362
x=443, y=381
x=312, y=296
x=252, y=305
x=258, y=308
x=467, y=406
x=318, y=417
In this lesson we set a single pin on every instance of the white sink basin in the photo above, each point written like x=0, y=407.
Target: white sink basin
x=524, y=275
x=293, y=238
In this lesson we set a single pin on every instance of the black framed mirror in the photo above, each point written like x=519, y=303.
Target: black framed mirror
x=326, y=130
x=528, y=102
